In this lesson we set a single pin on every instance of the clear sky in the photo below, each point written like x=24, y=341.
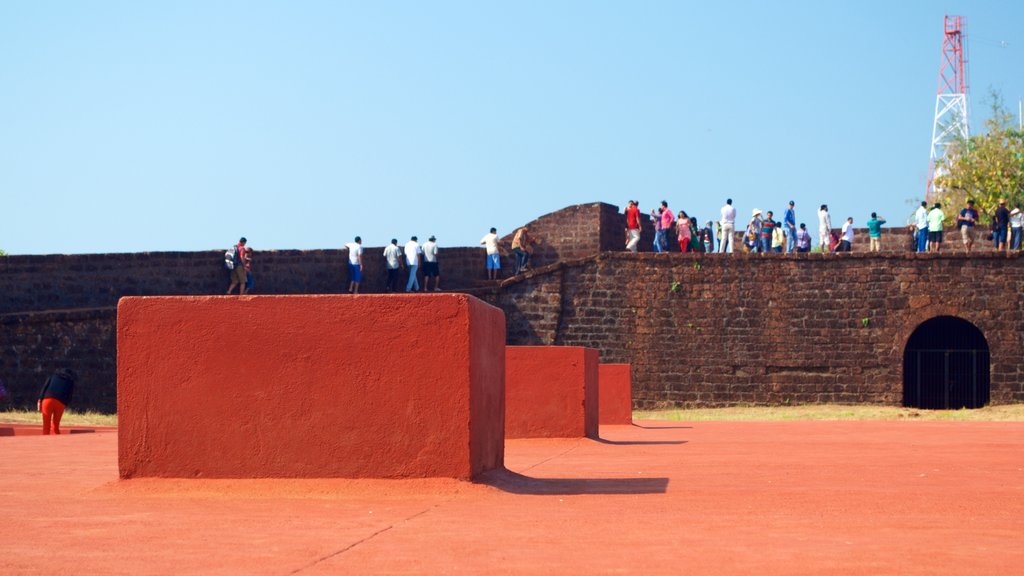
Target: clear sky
x=182, y=125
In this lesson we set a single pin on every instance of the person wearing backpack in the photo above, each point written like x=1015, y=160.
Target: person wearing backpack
x=237, y=267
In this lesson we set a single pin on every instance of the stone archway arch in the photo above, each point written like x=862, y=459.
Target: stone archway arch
x=946, y=365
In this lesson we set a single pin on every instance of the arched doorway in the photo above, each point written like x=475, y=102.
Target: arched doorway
x=945, y=365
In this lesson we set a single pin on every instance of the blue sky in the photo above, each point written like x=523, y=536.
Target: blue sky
x=138, y=126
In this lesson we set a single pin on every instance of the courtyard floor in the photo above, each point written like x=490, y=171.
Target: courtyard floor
x=653, y=498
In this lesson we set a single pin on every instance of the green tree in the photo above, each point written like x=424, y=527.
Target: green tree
x=985, y=167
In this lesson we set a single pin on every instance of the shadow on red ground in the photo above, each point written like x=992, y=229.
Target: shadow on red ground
x=658, y=498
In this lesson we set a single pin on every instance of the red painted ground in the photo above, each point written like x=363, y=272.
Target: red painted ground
x=658, y=498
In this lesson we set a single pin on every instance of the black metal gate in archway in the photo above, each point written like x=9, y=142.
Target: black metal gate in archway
x=946, y=366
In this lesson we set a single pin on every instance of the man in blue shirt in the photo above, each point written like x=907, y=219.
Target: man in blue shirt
x=790, y=222
x=965, y=221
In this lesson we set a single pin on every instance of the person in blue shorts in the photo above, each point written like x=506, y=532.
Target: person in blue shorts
x=490, y=241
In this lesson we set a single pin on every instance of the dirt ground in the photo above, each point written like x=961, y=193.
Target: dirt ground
x=653, y=498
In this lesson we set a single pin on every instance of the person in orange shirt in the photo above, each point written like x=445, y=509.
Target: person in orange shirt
x=54, y=398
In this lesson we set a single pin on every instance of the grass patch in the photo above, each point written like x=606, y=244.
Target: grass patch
x=1005, y=413
x=70, y=418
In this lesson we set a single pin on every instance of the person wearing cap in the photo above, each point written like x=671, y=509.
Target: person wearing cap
x=824, y=228
x=1016, y=228
x=965, y=221
x=393, y=262
x=238, y=275
x=430, y=269
x=789, y=223
x=54, y=397
x=753, y=239
x=632, y=226
x=1000, y=223
x=355, y=264
x=935, y=218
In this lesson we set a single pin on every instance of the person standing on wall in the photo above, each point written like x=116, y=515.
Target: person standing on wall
x=1001, y=223
x=789, y=223
x=393, y=261
x=520, y=248
x=250, y=280
x=632, y=226
x=667, y=220
x=965, y=222
x=683, y=233
x=1016, y=229
x=921, y=223
x=846, y=244
x=656, y=216
x=430, y=269
x=355, y=264
x=728, y=227
x=754, y=232
x=779, y=239
x=875, y=232
x=54, y=397
x=935, y=218
x=824, y=228
x=767, y=229
x=490, y=242
x=238, y=267
x=413, y=254
x=803, y=239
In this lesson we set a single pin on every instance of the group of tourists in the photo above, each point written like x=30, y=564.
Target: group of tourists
x=1006, y=233
x=762, y=234
x=411, y=258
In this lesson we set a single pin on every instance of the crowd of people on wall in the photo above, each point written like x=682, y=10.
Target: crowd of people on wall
x=764, y=234
x=412, y=258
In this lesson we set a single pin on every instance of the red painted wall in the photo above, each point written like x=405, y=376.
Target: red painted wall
x=616, y=393
x=375, y=386
x=551, y=392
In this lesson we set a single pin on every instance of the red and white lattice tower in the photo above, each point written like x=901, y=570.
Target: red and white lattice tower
x=951, y=102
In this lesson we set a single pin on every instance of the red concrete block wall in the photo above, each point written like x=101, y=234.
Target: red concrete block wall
x=375, y=386
x=616, y=394
x=551, y=392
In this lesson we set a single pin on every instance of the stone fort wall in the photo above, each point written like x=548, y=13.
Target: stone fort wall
x=737, y=329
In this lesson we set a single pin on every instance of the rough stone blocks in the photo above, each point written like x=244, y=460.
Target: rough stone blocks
x=616, y=393
x=551, y=392
x=375, y=386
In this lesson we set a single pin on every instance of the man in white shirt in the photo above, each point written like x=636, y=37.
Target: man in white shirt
x=355, y=264
x=728, y=227
x=490, y=241
x=393, y=258
x=824, y=227
x=430, y=265
x=846, y=244
x=413, y=253
x=921, y=223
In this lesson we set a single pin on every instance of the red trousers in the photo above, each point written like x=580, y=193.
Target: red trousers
x=684, y=244
x=52, y=410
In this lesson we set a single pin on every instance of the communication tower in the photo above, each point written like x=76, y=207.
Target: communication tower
x=950, y=122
